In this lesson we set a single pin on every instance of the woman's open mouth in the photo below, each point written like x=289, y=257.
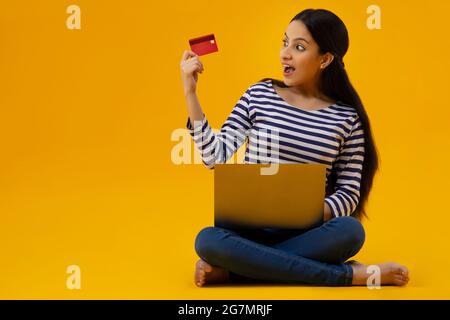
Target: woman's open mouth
x=288, y=70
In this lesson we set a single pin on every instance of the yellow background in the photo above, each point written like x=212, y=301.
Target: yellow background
x=86, y=175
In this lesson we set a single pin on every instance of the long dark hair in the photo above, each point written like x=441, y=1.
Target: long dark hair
x=331, y=35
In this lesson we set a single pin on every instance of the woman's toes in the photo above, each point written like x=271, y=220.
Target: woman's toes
x=198, y=278
x=405, y=271
x=401, y=269
x=397, y=268
x=400, y=283
x=201, y=279
x=401, y=280
x=203, y=265
x=206, y=273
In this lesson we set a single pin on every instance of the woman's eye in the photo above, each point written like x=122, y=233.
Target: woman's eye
x=298, y=46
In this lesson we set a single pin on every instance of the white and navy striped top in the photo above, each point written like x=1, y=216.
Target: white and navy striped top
x=276, y=131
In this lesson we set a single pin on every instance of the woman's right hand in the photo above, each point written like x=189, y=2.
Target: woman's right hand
x=190, y=66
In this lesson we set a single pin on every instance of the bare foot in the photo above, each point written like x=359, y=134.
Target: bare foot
x=206, y=273
x=392, y=273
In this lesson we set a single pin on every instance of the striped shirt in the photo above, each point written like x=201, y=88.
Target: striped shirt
x=276, y=131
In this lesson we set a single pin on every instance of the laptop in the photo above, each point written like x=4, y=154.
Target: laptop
x=292, y=198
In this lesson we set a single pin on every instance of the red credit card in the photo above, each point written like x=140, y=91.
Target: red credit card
x=204, y=45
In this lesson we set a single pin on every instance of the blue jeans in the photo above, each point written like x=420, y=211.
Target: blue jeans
x=315, y=255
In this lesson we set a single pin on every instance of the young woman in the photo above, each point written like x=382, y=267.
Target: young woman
x=319, y=118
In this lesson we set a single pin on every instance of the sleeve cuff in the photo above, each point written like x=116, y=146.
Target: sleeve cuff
x=197, y=124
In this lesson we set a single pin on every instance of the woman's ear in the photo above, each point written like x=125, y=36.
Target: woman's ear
x=326, y=60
